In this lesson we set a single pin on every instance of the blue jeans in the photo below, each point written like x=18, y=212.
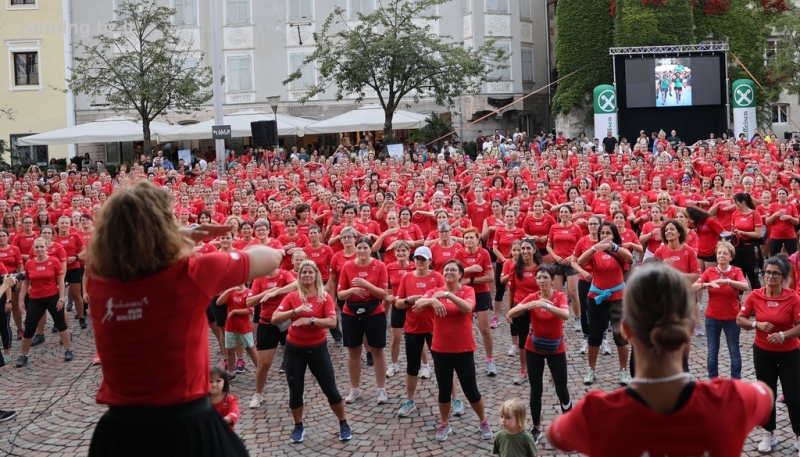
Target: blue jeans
x=714, y=328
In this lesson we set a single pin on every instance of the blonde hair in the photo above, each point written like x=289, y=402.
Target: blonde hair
x=136, y=234
x=724, y=244
x=514, y=408
x=659, y=306
x=301, y=290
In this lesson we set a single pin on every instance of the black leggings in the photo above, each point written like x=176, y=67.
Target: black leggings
x=776, y=245
x=583, y=297
x=521, y=328
x=599, y=316
x=499, y=287
x=558, y=371
x=463, y=364
x=415, y=344
x=5, y=327
x=36, y=308
x=771, y=366
x=746, y=260
x=318, y=360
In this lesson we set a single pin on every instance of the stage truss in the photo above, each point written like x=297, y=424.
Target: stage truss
x=673, y=49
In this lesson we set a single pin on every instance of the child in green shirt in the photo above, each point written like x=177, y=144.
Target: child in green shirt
x=513, y=440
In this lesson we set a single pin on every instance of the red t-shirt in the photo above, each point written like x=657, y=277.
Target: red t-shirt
x=504, y=238
x=228, y=407
x=441, y=255
x=524, y=286
x=652, y=244
x=478, y=213
x=308, y=336
x=545, y=324
x=43, y=276
x=782, y=312
x=684, y=259
x=85, y=236
x=781, y=230
x=606, y=273
x=374, y=273
x=10, y=258
x=723, y=302
x=479, y=257
x=708, y=236
x=300, y=241
x=723, y=215
x=164, y=314
x=239, y=323
x=264, y=283
x=715, y=421
x=563, y=239
x=24, y=242
x=410, y=285
x=539, y=228
x=583, y=245
x=388, y=254
x=338, y=261
x=396, y=273
x=322, y=257
x=452, y=334
x=73, y=245
x=747, y=223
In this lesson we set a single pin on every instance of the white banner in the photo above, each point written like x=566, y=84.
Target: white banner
x=603, y=123
x=744, y=121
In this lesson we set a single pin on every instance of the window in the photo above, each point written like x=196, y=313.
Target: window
x=295, y=62
x=466, y=6
x=502, y=73
x=527, y=65
x=237, y=11
x=239, y=77
x=23, y=2
x=497, y=6
x=26, y=68
x=429, y=11
x=780, y=113
x=118, y=3
x=185, y=12
x=190, y=63
x=525, y=9
x=770, y=50
x=300, y=9
x=28, y=154
x=361, y=6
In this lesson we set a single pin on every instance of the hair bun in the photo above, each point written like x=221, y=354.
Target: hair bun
x=669, y=337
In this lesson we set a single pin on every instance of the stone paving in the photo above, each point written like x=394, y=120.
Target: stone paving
x=65, y=428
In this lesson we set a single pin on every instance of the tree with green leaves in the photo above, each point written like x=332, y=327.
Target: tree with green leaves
x=783, y=65
x=394, y=52
x=653, y=23
x=140, y=64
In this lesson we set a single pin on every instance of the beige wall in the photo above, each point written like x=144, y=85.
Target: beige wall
x=37, y=108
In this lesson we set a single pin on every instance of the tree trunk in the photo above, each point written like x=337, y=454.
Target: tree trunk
x=146, y=150
x=388, y=136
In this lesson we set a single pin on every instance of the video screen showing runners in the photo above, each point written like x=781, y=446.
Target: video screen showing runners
x=672, y=81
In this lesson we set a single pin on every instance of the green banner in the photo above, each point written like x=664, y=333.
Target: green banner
x=744, y=93
x=605, y=99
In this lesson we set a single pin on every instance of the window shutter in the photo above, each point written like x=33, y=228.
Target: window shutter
x=189, y=12
x=306, y=10
x=245, y=79
x=179, y=15
x=527, y=65
x=466, y=6
x=355, y=8
x=244, y=11
x=308, y=74
x=525, y=9
x=294, y=10
x=491, y=5
x=230, y=7
x=233, y=74
x=295, y=61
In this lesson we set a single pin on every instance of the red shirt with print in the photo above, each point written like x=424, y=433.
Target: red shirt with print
x=442, y=254
x=10, y=258
x=479, y=257
x=410, y=284
x=563, y=239
x=683, y=259
x=396, y=273
x=606, y=273
x=43, y=276
x=545, y=324
x=374, y=273
x=782, y=312
x=238, y=323
x=73, y=245
x=264, y=283
x=322, y=257
x=308, y=336
x=452, y=334
x=723, y=301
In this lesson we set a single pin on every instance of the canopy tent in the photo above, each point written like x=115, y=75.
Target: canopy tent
x=368, y=117
x=240, y=126
x=108, y=130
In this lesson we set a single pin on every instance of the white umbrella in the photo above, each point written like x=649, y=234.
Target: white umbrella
x=368, y=117
x=108, y=130
x=240, y=126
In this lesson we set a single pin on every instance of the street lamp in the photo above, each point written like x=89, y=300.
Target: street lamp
x=273, y=102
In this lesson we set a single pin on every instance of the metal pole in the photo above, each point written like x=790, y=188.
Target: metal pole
x=217, y=88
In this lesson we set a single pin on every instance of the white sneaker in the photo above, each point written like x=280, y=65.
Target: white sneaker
x=767, y=442
x=392, y=370
x=797, y=444
x=425, y=372
x=352, y=396
x=513, y=350
x=255, y=402
x=585, y=347
x=605, y=348
x=522, y=376
x=382, y=397
x=578, y=326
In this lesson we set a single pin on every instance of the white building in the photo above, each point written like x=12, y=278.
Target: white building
x=265, y=40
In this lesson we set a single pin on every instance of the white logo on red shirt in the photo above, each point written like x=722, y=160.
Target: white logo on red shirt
x=235, y=255
x=772, y=304
x=134, y=310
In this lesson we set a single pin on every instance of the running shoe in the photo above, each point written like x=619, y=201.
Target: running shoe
x=298, y=433
x=491, y=368
x=392, y=370
x=231, y=376
x=370, y=361
x=344, y=431
x=425, y=372
x=486, y=430
x=767, y=442
x=96, y=359
x=590, y=378
x=522, y=376
x=282, y=369
x=578, y=327
x=255, y=402
x=624, y=377
x=699, y=331
x=352, y=396
x=6, y=359
x=605, y=348
x=7, y=415
x=22, y=361
x=241, y=366
x=537, y=434
x=338, y=343
x=442, y=432
x=382, y=397
x=407, y=408
x=19, y=334
x=458, y=407
x=494, y=323
x=82, y=322
x=585, y=347
x=513, y=350
x=68, y=356
x=37, y=339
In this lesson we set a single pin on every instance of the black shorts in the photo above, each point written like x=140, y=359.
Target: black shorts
x=483, y=301
x=268, y=336
x=707, y=258
x=257, y=313
x=220, y=312
x=210, y=315
x=73, y=276
x=564, y=270
x=398, y=318
x=355, y=328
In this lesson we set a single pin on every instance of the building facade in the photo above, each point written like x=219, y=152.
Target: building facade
x=34, y=71
x=264, y=41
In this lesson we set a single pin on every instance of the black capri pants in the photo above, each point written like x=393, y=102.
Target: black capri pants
x=5, y=326
x=558, y=371
x=415, y=344
x=462, y=364
x=220, y=312
x=36, y=308
x=775, y=246
x=521, y=328
x=771, y=366
x=599, y=316
x=318, y=360
x=746, y=260
x=583, y=297
x=499, y=287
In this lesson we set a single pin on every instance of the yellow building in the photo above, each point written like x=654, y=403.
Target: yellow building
x=33, y=74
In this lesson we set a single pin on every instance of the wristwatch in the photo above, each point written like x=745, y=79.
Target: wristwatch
x=313, y=320
x=447, y=295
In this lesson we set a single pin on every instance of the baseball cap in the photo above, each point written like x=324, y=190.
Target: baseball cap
x=423, y=251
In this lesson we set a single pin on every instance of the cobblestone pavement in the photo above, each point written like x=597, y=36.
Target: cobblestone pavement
x=65, y=428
